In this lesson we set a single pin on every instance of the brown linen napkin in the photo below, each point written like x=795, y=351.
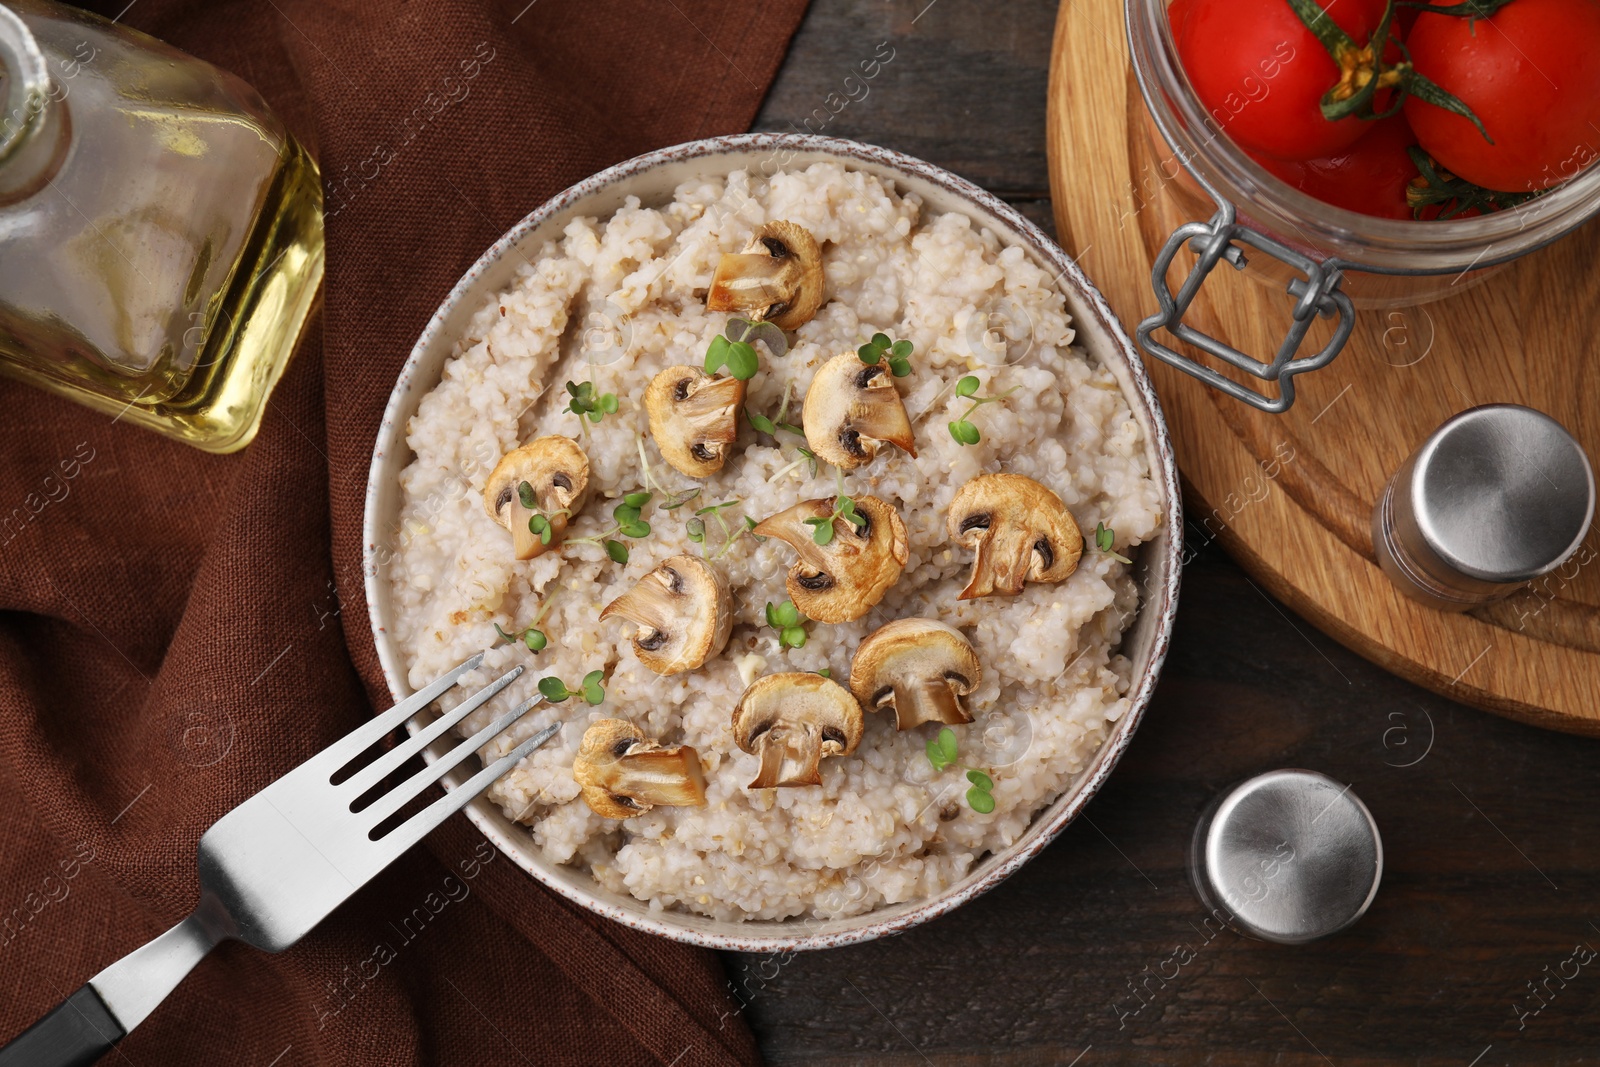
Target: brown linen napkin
x=180, y=629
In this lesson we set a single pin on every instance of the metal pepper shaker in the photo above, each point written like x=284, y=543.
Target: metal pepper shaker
x=1498, y=496
x=1287, y=856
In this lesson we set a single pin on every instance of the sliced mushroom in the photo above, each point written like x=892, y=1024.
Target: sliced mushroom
x=778, y=277
x=693, y=418
x=684, y=612
x=843, y=579
x=851, y=409
x=557, y=471
x=920, y=667
x=1020, y=529
x=623, y=773
x=792, y=721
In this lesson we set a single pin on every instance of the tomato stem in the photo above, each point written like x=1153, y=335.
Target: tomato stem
x=1468, y=9
x=1455, y=196
x=1363, y=70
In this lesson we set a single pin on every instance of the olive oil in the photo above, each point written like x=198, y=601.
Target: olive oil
x=160, y=231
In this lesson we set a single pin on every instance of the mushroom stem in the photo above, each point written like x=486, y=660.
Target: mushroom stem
x=884, y=417
x=930, y=700
x=1002, y=565
x=790, y=754
x=670, y=777
x=525, y=544
x=748, y=281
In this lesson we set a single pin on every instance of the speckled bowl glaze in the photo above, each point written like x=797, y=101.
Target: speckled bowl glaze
x=653, y=177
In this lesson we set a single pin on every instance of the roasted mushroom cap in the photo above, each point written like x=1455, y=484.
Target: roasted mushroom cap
x=623, y=773
x=919, y=666
x=558, y=473
x=843, y=579
x=1021, y=530
x=684, y=612
x=778, y=277
x=693, y=418
x=791, y=721
x=851, y=409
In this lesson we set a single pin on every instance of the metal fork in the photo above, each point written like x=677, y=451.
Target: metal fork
x=276, y=865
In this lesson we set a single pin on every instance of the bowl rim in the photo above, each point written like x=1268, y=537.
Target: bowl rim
x=1162, y=599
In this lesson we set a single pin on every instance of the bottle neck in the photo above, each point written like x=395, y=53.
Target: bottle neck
x=33, y=120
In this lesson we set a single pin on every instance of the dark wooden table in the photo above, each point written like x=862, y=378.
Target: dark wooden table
x=1477, y=951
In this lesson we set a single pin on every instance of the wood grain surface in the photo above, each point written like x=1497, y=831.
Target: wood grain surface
x=1291, y=495
x=1492, y=853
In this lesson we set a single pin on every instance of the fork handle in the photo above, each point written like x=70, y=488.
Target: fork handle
x=79, y=1031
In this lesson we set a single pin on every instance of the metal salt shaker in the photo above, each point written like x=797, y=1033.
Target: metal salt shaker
x=1498, y=496
x=1288, y=856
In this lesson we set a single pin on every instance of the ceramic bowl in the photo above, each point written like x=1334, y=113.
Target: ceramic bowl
x=652, y=178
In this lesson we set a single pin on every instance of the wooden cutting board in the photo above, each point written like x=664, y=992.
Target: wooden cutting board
x=1290, y=496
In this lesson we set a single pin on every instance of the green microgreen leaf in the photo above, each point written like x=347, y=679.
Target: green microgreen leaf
x=967, y=386
x=823, y=533
x=880, y=341
x=696, y=530
x=901, y=349
x=811, y=458
x=1103, y=538
x=553, y=688
x=635, y=529
x=787, y=614
x=760, y=422
x=525, y=495
x=742, y=360
x=793, y=636
x=637, y=500
x=608, y=403
x=593, y=691
x=678, y=502
x=981, y=780
x=717, y=354
x=869, y=355
x=964, y=432
x=826, y=673
x=617, y=551
x=534, y=639
x=772, y=616
x=792, y=428
x=980, y=801
x=948, y=744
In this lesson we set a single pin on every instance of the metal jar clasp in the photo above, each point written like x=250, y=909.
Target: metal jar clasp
x=1316, y=293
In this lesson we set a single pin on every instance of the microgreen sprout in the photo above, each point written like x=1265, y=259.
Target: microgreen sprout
x=533, y=637
x=592, y=688
x=898, y=353
x=697, y=526
x=735, y=348
x=585, y=401
x=538, y=522
x=790, y=624
x=967, y=388
x=628, y=523
x=843, y=508
x=1104, y=539
x=770, y=427
x=944, y=752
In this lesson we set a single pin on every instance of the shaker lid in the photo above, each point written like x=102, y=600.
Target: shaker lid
x=1287, y=856
x=1502, y=493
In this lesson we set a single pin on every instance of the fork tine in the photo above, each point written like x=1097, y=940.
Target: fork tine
x=419, y=825
x=364, y=736
x=384, y=765
x=406, y=791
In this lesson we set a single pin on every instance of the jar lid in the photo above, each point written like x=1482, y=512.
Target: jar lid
x=1288, y=856
x=1502, y=493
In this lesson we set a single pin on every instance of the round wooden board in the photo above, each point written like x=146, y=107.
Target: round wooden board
x=1289, y=496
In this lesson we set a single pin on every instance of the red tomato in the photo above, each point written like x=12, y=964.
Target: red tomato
x=1531, y=73
x=1177, y=12
x=1369, y=177
x=1262, y=74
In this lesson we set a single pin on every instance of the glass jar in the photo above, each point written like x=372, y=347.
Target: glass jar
x=1331, y=260
x=160, y=230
